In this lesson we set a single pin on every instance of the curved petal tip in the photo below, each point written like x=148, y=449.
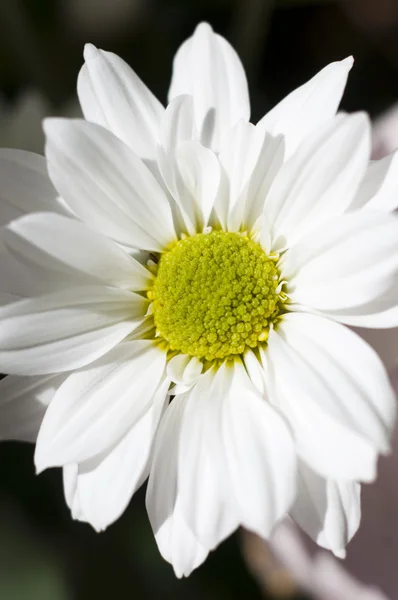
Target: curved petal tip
x=90, y=52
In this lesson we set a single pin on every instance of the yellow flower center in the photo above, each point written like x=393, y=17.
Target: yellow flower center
x=215, y=294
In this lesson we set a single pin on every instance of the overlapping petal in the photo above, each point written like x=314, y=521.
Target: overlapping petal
x=176, y=542
x=66, y=330
x=335, y=392
x=209, y=510
x=256, y=365
x=106, y=483
x=229, y=437
x=308, y=107
x=250, y=159
x=184, y=371
x=178, y=123
x=17, y=281
x=379, y=188
x=328, y=511
x=69, y=252
x=319, y=181
x=96, y=406
x=347, y=268
x=113, y=96
x=208, y=68
x=192, y=175
x=107, y=185
x=259, y=451
x=69, y=477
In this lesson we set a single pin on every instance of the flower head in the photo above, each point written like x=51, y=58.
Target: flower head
x=179, y=292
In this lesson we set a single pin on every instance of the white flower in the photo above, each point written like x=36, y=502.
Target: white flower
x=198, y=256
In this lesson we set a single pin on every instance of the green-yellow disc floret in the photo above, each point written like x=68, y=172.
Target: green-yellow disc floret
x=215, y=294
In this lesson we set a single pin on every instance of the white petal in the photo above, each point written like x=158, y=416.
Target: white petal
x=97, y=405
x=208, y=68
x=256, y=371
x=236, y=443
x=112, y=95
x=177, y=125
x=69, y=251
x=256, y=190
x=23, y=402
x=25, y=185
x=335, y=393
x=207, y=505
x=182, y=211
x=69, y=476
x=337, y=365
x=186, y=552
x=192, y=175
x=328, y=511
x=238, y=155
x=345, y=265
x=176, y=542
x=184, y=369
x=105, y=484
x=17, y=281
x=200, y=175
x=67, y=329
x=250, y=160
x=162, y=489
x=381, y=312
x=305, y=109
x=379, y=188
x=107, y=185
x=320, y=180
x=259, y=450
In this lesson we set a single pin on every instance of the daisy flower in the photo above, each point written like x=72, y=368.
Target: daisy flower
x=175, y=296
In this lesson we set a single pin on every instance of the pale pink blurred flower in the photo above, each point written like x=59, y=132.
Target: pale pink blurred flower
x=321, y=575
x=372, y=554
x=385, y=342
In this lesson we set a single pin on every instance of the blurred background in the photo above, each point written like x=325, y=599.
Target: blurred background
x=44, y=555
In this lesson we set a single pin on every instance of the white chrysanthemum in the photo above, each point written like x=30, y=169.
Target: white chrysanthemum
x=182, y=304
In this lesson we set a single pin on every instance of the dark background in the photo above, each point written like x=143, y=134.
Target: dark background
x=44, y=555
